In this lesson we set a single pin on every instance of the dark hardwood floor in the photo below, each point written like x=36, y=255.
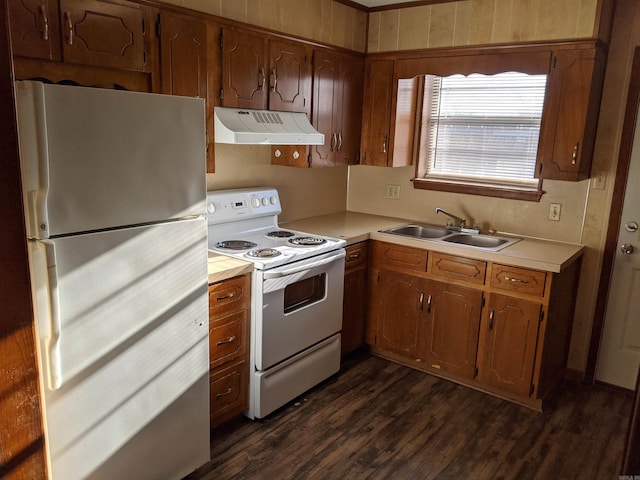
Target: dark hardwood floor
x=379, y=420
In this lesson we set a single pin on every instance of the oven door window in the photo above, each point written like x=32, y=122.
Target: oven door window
x=305, y=292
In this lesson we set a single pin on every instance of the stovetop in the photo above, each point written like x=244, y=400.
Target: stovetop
x=243, y=224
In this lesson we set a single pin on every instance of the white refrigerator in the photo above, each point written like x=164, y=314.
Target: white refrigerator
x=115, y=195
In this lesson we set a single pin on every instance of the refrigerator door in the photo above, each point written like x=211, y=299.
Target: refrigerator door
x=122, y=324
x=97, y=158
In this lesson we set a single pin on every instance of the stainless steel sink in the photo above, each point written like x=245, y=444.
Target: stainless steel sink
x=415, y=230
x=442, y=235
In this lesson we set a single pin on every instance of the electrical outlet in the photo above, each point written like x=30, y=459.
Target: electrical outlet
x=393, y=191
x=554, y=211
x=598, y=181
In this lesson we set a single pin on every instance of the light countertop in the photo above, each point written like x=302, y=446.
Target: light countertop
x=539, y=254
x=222, y=267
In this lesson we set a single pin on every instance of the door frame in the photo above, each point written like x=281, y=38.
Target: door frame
x=611, y=243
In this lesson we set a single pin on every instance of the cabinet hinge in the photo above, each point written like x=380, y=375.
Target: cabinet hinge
x=221, y=93
x=475, y=372
x=541, y=315
x=221, y=37
x=532, y=389
x=144, y=58
x=483, y=302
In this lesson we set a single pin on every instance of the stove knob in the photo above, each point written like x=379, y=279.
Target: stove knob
x=274, y=200
x=255, y=202
x=211, y=208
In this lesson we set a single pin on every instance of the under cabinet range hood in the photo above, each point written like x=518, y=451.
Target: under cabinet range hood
x=264, y=127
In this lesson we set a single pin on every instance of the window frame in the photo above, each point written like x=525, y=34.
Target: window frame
x=445, y=63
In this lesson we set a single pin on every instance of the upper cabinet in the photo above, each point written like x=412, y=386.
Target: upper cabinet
x=87, y=32
x=263, y=73
x=376, y=117
x=337, y=107
x=572, y=103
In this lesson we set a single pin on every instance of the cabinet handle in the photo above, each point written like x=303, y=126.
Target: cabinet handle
x=45, y=22
x=384, y=145
x=275, y=80
x=67, y=16
x=232, y=338
x=515, y=280
x=339, y=141
x=334, y=140
x=574, y=155
x=429, y=304
x=491, y=320
x=421, y=301
x=226, y=297
x=353, y=256
x=261, y=78
x=218, y=395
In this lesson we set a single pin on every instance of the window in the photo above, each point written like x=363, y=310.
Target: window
x=481, y=131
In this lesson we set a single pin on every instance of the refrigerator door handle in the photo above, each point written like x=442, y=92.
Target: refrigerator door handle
x=52, y=351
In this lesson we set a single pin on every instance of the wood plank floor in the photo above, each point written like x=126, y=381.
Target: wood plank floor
x=379, y=420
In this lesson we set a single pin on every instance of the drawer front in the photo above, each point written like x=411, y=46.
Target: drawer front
x=227, y=338
x=516, y=279
x=356, y=256
x=230, y=295
x=458, y=268
x=407, y=258
x=228, y=392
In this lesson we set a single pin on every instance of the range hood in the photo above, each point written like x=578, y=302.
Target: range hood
x=264, y=127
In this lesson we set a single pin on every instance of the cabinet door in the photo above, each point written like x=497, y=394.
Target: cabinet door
x=508, y=342
x=355, y=297
x=401, y=303
x=35, y=28
x=244, y=78
x=289, y=77
x=453, y=321
x=102, y=34
x=572, y=105
x=376, y=121
x=326, y=77
x=349, y=109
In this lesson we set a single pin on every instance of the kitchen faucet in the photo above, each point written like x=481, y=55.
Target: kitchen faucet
x=463, y=222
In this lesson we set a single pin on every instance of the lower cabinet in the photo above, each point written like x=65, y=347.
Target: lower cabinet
x=501, y=329
x=355, y=297
x=229, y=304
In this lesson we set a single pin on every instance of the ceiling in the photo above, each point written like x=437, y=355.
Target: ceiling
x=378, y=3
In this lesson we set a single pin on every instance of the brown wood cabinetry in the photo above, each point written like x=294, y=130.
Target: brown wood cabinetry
x=337, y=107
x=572, y=104
x=263, y=73
x=87, y=32
x=355, y=297
x=376, y=118
x=498, y=328
x=229, y=304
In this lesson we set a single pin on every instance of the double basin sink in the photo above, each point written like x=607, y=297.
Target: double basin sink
x=433, y=233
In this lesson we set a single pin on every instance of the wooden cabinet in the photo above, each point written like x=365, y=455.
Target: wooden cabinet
x=87, y=32
x=337, y=107
x=355, y=297
x=501, y=329
x=263, y=73
x=508, y=344
x=572, y=103
x=229, y=306
x=452, y=323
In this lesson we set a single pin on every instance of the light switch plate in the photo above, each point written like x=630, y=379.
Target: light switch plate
x=554, y=211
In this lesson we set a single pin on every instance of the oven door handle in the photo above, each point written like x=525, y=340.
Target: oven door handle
x=277, y=273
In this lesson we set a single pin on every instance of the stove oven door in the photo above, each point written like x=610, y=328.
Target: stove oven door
x=301, y=306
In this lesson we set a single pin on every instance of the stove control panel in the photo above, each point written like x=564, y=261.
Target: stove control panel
x=244, y=203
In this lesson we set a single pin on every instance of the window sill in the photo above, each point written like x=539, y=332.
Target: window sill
x=486, y=191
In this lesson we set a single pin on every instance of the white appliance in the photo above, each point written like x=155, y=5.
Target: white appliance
x=297, y=290
x=114, y=193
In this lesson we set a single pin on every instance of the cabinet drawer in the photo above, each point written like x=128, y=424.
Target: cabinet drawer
x=458, y=268
x=227, y=338
x=228, y=392
x=391, y=255
x=356, y=256
x=517, y=279
x=230, y=295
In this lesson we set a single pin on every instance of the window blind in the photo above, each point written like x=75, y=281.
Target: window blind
x=482, y=128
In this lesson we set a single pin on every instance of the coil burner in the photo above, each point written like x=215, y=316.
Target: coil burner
x=307, y=241
x=236, y=245
x=264, y=253
x=280, y=234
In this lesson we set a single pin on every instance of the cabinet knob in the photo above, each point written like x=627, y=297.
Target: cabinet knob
x=67, y=16
x=45, y=22
x=491, y=320
x=626, y=248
